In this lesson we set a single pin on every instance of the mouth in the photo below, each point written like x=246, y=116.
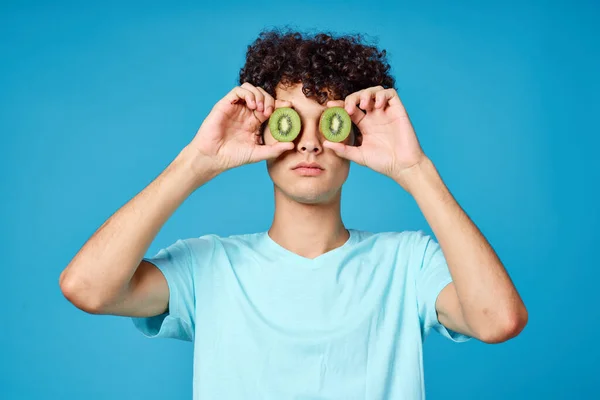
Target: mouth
x=308, y=169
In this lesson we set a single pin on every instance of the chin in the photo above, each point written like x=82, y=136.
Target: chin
x=323, y=188
x=308, y=192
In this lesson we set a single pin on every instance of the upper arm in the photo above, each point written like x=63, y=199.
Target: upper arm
x=437, y=301
x=449, y=311
x=146, y=295
x=163, y=295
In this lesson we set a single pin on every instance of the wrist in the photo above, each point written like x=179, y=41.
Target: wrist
x=419, y=178
x=195, y=168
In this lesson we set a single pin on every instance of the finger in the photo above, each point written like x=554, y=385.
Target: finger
x=258, y=95
x=355, y=113
x=388, y=96
x=350, y=102
x=351, y=153
x=381, y=99
x=270, y=151
x=238, y=94
x=366, y=100
x=269, y=102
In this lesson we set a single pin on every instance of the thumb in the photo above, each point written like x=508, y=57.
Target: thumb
x=267, y=151
x=351, y=153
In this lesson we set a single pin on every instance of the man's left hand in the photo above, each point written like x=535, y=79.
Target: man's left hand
x=389, y=143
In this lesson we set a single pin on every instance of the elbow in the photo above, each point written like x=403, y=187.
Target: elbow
x=78, y=293
x=505, y=328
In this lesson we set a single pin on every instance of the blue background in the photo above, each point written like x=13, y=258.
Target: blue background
x=95, y=101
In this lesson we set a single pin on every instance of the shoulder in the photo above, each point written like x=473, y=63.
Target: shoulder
x=406, y=238
x=410, y=246
x=214, y=242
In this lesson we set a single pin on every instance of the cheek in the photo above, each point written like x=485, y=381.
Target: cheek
x=343, y=169
x=276, y=166
x=339, y=170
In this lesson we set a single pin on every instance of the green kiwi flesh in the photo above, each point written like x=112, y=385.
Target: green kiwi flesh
x=284, y=124
x=335, y=124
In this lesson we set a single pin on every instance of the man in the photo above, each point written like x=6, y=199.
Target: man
x=310, y=308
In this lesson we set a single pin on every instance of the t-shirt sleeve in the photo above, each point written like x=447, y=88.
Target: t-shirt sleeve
x=432, y=276
x=176, y=264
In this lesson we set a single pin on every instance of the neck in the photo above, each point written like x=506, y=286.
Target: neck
x=308, y=230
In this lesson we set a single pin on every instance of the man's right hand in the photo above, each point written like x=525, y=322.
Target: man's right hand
x=108, y=275
x=229, y=136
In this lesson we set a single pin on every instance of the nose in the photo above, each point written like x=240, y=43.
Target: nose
x=309, y=140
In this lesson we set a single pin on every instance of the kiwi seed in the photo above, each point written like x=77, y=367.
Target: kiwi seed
x=335, y=124
x=284, y=124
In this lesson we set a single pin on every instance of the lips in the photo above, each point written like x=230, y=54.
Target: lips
x=312, y=165
x=308, y=169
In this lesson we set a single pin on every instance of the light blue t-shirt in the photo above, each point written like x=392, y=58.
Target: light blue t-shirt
x=269, y=324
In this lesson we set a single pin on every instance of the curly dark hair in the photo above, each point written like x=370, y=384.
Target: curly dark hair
x=329, y=67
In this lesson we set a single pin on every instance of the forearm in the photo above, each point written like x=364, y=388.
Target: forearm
x=487, y=297
x=104, y=266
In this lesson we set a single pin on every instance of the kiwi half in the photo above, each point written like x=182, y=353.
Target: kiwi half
x=335, y=124
x=284, y=124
